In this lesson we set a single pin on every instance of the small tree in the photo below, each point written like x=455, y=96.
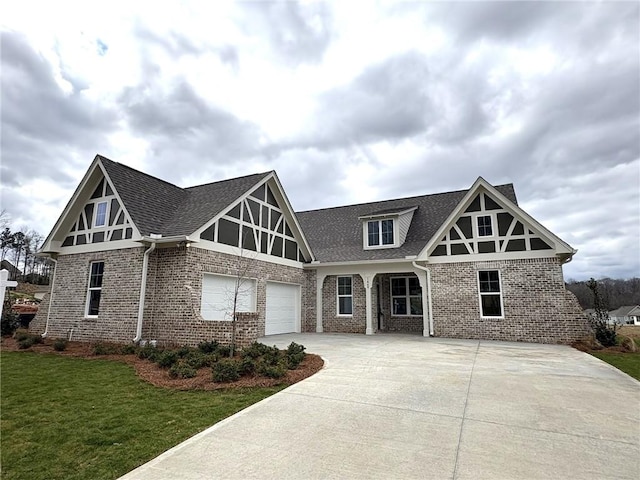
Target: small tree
x=604, y=329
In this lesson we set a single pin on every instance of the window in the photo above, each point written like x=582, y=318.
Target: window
x=96, y=271
x=406, y=296
x=490, y=293
x=380, y=232
x=345, y=296
x=101, y=214
x=484, y=226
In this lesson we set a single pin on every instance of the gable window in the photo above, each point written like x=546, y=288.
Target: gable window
x=484, y=226
x=406, y=296
x=101, y=214
x=345, y=296
x=380, y=232
x=96, y=271
x=490, y=293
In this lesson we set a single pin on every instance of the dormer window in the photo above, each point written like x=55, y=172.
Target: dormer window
x=380, y=232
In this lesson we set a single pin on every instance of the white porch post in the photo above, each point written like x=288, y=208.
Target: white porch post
x=319, y=284
x=368, y=283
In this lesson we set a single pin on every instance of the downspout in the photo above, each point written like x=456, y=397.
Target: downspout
x=53, y=284
x=430, y=309
x=143, y=291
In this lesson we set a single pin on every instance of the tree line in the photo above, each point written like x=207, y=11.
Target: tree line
x=615, y=292
x=19, y=247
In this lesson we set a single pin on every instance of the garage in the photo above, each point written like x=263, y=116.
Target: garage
x=283, y=308
x=218, y=292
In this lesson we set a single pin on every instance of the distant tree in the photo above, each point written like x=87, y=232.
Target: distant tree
x=6, y=242
x=605, y=331
x=617, y=292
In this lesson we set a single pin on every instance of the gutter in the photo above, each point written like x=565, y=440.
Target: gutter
x=143, y=290
x=53, y=284
x=430, y=309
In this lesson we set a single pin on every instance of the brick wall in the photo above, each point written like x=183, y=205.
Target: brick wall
x=331, y=322
x=118, y=313
x=537, y=307
x=176, y=295
x=395, y=323
x=309, y=301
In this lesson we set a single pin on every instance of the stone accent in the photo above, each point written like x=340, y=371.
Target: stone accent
x=537, y=307
x=177, y=288
x=118, y=314
x=331, y=322
x=392, y=323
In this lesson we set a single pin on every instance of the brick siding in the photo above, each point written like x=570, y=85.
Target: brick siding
x=537, y=307
x=331, y=322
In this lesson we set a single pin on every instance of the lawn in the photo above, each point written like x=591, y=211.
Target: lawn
x=629, y=363
x=71, y=418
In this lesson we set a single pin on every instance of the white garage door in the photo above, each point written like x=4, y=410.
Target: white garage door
x=283, y=308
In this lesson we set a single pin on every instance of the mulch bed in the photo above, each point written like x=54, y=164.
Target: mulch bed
x=159, y=377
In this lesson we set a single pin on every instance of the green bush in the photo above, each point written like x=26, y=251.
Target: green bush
x=184, y=351
x=10, y=321
x=247, y=365
x=255, y=350
x=224, y=350
x=295, y=354
x=182, y=370
x=208, y=347
x=60, y=344
x=149, y=352
x=196, y=359
x=129, y=349
x=272, y=370
x=105, y=349
x=21, y=335
x=226, y=370
x=167, y=358
x=26, y=343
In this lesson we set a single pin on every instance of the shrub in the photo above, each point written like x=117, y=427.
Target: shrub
x=60, y=344
x=182, y=370
x=255, y=350
x=247, y=365
x=277, y=370
x=167, y=358
x=295, y=354
x=196, y=359
x=226, y=370
x=9, y=322
x=149, y=352
x=26, y=343
x=21, y=335
x=104, y=349
x=271, y=355
x=129, y=349
x=184, y=351
x=224, y=350
x=208, y=347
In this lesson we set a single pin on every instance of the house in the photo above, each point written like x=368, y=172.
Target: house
x=138, y=258
x=625, y=315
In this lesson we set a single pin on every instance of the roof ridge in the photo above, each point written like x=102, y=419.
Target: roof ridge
x=397, y=199
x=139, y=172
x=229, y=179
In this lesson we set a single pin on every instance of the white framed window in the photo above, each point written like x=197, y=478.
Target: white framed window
x=406, y=296
x=485, y=226
x=490, y=292
x=219, y=292
x=380, y=233
x=94, y=291
x=101, y=214
x=345, y=295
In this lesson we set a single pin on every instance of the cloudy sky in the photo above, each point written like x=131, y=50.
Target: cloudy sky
x=348, y=101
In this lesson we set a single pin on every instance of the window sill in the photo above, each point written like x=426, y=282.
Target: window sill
x=90, y=319
x=345, y=315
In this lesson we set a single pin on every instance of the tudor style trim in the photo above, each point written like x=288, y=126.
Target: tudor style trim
x=561, y=248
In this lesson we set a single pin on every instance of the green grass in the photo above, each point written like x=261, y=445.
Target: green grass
x=629, y=363
x=70, y=418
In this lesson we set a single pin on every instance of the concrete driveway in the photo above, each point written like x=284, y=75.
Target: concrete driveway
x=401, y=406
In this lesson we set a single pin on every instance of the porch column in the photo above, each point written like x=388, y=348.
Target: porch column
x=319, y=284
x=368, y=283
x=426, y=313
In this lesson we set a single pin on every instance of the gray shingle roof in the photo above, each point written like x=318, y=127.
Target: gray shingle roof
x=335, y=234
x=160, y=207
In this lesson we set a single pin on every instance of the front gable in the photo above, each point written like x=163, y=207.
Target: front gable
x=94, y=219
x=261, y=223
x=488, y=226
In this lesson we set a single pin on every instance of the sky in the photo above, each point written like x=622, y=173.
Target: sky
x=349, y=102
